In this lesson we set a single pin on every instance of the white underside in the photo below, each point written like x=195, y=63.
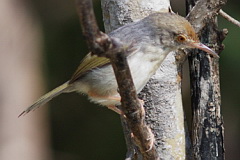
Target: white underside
x=101, y=81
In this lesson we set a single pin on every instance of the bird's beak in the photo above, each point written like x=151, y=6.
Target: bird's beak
x=204, y=48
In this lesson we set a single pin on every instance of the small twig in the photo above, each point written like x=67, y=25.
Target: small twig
x=229, y=18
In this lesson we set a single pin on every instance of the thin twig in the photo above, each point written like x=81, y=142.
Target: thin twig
x=229, y=18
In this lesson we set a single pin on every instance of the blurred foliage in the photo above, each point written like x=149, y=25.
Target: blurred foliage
x=82, y=130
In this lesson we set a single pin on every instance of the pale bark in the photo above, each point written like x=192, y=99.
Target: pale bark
x=162, y=95
x=20, y=84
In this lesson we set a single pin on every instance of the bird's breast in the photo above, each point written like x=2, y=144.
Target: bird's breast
x=144, y=63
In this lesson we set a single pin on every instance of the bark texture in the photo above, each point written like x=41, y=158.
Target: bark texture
x=162, y=95
x=207, y=125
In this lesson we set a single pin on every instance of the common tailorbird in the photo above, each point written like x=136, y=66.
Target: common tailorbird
x=151, y=39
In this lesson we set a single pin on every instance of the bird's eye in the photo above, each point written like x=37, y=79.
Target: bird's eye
x=181, y=38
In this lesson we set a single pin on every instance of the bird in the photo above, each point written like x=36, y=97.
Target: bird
x=151, y=40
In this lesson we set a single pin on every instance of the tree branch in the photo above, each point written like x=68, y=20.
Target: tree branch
x=99, y=43
x=204, y=9
x=133, y=110
x=229, y=18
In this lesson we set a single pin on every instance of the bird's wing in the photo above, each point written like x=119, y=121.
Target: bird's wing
x=92, y=61
x=88, y=63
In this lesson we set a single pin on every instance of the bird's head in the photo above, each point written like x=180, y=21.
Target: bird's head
x=176, y=32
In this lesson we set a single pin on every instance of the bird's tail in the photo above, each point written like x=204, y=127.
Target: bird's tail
x=47, y=97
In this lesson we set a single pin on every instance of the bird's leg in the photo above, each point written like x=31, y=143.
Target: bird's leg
x=114, y=98
x=115, y=109
x=119, y=111
x=141, y=107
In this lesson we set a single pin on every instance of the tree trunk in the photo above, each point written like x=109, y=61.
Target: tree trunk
x=162, y=94
x=207, y=125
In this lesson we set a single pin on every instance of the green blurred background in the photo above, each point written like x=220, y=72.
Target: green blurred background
x=81, y=130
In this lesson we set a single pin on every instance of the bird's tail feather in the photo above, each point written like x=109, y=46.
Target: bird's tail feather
x=47, y=97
